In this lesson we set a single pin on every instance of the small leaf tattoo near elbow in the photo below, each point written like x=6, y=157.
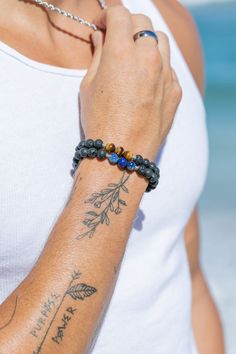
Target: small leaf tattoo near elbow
x=76, y=291
x=105, y=202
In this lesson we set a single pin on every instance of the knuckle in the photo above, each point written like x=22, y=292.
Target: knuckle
x=141, y=18
x=117, y=9
x=177, y=91
x=163, y=36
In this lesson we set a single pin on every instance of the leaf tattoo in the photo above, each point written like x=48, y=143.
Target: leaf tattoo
x=76, y=275
x=108, y=198
x=81, y=291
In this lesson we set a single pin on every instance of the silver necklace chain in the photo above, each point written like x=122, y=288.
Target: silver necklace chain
x=69, y=15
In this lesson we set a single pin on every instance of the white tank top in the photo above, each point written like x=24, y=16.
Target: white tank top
x=150, y=311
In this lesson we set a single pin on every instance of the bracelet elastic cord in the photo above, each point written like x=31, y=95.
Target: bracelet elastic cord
x=117, y=156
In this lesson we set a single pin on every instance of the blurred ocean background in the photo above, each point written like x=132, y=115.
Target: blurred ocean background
x=216, y=21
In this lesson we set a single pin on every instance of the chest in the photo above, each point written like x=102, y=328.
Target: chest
x=39, y=130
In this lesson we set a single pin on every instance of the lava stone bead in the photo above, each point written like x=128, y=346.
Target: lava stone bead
x=153, y=166
x=153, y=175
x=148, y=189
x=138, y=160
x=141, y=170
x=89, y=143
x=153, y=185
x=77, y=155
x=81, y=144
x=83, y=152
x=148, y=173
x=92, y=152
x=98, y=144
x=101, y=154
x=146, y=162
x=156, y=170
x=154, y=179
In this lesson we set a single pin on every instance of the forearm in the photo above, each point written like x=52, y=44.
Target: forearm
x=206, y=321
x=46, y=313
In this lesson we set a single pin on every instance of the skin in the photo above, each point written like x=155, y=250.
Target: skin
x=61, y=49
x=59, y=305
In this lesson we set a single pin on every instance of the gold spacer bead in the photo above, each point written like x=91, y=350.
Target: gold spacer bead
x=119, y=150
x=128, y=155
x=110, y=147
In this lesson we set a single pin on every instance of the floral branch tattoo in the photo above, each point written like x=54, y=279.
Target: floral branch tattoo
x=107, y=201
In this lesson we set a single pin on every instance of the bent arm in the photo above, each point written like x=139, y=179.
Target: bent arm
x=58, y=306
x=206, y=321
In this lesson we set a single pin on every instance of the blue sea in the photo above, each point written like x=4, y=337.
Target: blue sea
x=217, y=26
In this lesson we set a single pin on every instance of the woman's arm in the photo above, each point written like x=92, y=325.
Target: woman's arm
x=130, y=95
x=58, y=306
x=206, y=321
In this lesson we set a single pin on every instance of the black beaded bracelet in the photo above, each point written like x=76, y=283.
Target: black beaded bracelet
x=117, y=155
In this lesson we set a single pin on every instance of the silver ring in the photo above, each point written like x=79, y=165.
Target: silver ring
x=145, y=33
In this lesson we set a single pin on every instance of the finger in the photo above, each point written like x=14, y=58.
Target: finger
x=164, y=48
x=97, y=38
x=174, y=75
x=140, y=23
x=116, y=22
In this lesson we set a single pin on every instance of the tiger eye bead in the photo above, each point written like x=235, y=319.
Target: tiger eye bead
x=110, y=147
x=128, y=155
x=119, y=150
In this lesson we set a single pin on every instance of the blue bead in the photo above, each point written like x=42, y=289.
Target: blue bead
x=113, y=158
x=122, y=162
x=131, y=165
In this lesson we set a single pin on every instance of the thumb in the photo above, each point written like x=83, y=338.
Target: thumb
x=97, y=38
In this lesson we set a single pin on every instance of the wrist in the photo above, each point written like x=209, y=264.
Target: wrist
x=135, y=143
x=117, y=155
x=94, y=174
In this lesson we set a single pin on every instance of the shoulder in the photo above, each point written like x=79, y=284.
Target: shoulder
x=186, y=34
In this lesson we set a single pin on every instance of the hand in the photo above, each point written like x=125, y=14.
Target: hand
x=130, y=94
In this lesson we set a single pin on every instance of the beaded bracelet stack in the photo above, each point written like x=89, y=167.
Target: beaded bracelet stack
x=117, y=156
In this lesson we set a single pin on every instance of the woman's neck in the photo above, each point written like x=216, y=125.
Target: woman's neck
x=27, y=12
x=49, y=37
